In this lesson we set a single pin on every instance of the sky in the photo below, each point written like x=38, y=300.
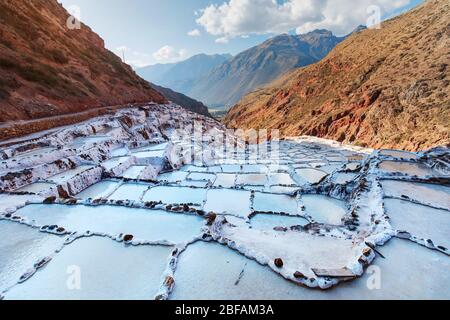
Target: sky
x=165, y=31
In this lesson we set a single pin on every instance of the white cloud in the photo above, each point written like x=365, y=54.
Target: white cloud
x=194, y=33
x=236, y=18
x=182, y=54
x=222, y=40
x=169, y=54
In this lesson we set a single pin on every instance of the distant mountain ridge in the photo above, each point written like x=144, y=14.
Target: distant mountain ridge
x=381, y=88
x=183, y=100
x=260, y=65
x=181, y=76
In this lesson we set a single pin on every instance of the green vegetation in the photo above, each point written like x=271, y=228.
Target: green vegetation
x=80, y=77
x=39, y=75
x=6, y=63
x=42, y=74
x=4, y=90
x=20, y=22
x=7, y=84
x=58, y=56
x=6, y=42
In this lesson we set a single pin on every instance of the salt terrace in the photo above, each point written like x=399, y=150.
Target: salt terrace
x=147, y=211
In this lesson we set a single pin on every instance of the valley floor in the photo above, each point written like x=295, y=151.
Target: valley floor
x=159, y=203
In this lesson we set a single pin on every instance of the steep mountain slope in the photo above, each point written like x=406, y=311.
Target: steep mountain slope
x=46, y=69
x=182, y=75
x=155, y=72
x=260, y=65
x=182, y=100
x=379, y=88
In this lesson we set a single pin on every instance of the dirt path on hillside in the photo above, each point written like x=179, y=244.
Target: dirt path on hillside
x=10, y=132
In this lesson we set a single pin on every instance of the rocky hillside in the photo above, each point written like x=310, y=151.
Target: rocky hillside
x=181, y=76
x=379, y=88
x=183, y=100
x=46, y=69
x=260, y=65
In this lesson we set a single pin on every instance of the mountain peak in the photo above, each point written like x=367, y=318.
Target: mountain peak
x=181, y=76
x=324, y=32
x=260, y=65
x=359, y=28
x=393, y=95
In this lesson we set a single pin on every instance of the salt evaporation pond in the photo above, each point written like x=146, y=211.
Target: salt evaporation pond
x=39, y=151
x=231, y=168
x=245, y=279
x=301, y=251
x=283, y=190
x=255, y=169
x=130, y=191
x=20, y=248
x=149, y=154
x=119, y=272
x=82, y=141
x=311, y=175
x=176, y=195
x=37, y=187
x=153, y=225
x=421, y=221
x=10, y=202
x=399, y=154
x=270, y=221
x=101, y=189
x=431, y=194
x=198, y=176
x=192, y=168
x=69, y=174
x=173, y=177
x=33, y=153
x=119, y=152
x=156, y=147
x=352, y=166
x=343, y=178
x=225, y=180
x=226, y=201
x=283, y=179
x=269, y=203
x=194, y=183
x=133, y=172
x=215, y=169
x=330, y=168
x=288, y=209
x=324, y=209
x=252, y=179
x=413, y=169
x=114, y=162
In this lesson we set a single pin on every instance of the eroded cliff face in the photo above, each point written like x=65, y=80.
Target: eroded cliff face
x=384, y=87
x=48, y=69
